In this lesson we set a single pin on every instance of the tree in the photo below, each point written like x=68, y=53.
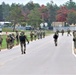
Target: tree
x=15, y=15
x=52, y=11
x=62, y=14
x=30, y=5
x=70, y=4
x=34, y=18
x=44, y=13
x=71, y=19
x=1, y=13
x=6, y=9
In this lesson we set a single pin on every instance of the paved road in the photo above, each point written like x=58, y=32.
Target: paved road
x=42, y=58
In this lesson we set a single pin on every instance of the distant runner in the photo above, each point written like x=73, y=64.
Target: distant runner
x=55, y=38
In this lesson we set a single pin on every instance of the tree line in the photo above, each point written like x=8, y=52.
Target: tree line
x=33, y=13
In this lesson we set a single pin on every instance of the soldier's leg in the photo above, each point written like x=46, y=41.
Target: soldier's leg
x=55, y=42
x=24, y=48
x=8, y=45
x=21, y=47
x=17, y=41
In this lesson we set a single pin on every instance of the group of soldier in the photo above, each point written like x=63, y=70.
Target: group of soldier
x=56, y=35
x=21, y=39
x=37, y=34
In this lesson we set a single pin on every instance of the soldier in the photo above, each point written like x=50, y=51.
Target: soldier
x=17, y=37
x=74, y=39
x=1, y=40
x=23, y=39
x=8, y=42
x=12, y=38
x=62, y=31
x=40, y=34
x=68, y=32
x=35, y=34
x=57, y=31
x=43, y=34
x=31, y=36
x=55, y=38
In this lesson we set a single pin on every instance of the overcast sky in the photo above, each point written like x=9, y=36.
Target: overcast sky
x=58, y=2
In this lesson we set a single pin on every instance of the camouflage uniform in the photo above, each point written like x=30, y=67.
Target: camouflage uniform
x=68, y=33
x=74, y=39
x=35, y=34
x=12, y=38
x=8, y=41
x=62, y=32
x=43, y=34
x=31, y=36
x=57, y=31
x=17, y=37
x=40, y=34
x=23, y=40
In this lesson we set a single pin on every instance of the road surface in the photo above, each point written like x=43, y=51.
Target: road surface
x=41, y=58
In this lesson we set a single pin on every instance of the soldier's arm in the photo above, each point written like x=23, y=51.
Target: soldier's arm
x=26, y=39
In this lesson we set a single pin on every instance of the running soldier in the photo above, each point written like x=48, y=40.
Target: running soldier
x=55, y=38
x=23, y=39
x=62, y=31
x=31, y=36
x=35, y=34
x=40, y=34
x=12, y=38
x=17, y=37
x=43, y=34
x=1, y=40
x=8, y=42
x=74, y=39
x=68, y=32
x=57, y=31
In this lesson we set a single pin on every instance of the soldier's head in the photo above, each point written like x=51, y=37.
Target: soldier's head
x=22, y=33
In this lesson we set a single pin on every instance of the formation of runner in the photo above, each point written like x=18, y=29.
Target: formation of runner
x=56, y=35
x=21, y=39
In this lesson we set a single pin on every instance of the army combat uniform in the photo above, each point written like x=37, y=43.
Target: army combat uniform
x=74, y=39
x=31, y=36
x=8, y=41
x=23, y=40
x=62, y=32
x=17, y=37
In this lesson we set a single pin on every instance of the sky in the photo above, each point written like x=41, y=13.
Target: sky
x=58, y=2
